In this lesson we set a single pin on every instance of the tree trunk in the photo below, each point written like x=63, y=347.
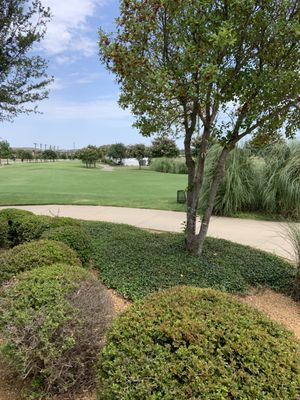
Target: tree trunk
x=219, y=173
x=195, y=180
x=192, y=200
x=192, y=212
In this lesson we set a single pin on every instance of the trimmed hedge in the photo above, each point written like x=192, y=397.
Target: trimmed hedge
x=75, y=237
x=4, y=229
x=23, y=226
x=32, y=227
x=53, y=321
x=12, y=213
x=188, y=343
x=35, y=254
x=8, y=218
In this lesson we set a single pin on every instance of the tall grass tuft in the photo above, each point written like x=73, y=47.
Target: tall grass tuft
x=236, y=191
x=293, y=232
x=280, y=185
x=169, y=165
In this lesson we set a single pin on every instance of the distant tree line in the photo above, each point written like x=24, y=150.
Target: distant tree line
x=115, y=154
x=30, y=155
x=162, y=146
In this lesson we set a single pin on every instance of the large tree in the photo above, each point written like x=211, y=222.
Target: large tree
x=162, y=146
x=117, y=151
x=23, y=77
x=89, y=156
x=139, y=152
x=5, y=150
x=49, y=155
x=219, y=69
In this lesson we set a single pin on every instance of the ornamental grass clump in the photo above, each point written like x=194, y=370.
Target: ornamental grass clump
x=169, y=165
x=75, y=237
x=53, y=321
x=188, y=343
x=236, y=192
x=280, y=185
x=35, y=254
x=293, y=235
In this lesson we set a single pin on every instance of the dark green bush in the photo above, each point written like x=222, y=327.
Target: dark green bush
x=4, y=229
x=35, y=254
x=12, y=213
x=53, y=321
x=75, y=237
x=32, y=227
x=8, y=218
x=187, y=343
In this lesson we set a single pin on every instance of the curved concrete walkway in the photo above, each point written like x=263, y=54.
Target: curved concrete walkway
x=264, y=235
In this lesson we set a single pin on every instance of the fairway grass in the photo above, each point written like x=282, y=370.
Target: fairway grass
x=69, y=182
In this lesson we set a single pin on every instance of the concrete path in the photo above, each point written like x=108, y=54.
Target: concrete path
x=106, y=168
x=265, y=235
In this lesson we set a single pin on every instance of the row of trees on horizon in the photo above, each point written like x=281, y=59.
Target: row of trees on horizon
x=115, y=153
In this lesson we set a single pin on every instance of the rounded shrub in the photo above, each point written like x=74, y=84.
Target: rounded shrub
x=75, y=237
x=35, y=254
x=53, y=321
x=31, y=227
x=189, y=343
x=12, y=213
x=4, y=229
x=9, y=217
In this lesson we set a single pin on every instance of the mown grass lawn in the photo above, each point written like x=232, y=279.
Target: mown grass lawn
x=68, y=182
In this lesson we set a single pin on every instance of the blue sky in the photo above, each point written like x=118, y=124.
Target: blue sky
x=82, y=107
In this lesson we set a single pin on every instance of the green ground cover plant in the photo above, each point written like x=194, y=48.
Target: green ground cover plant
x=53, y=320
x=188, y=343
x=37, y=253
x=137, y=263
x=76, y=237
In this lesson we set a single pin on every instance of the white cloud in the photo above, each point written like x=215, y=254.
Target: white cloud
x=65, y=59
x=103, y=109
x=87, y=78
x=69, y=30
x=57, y=84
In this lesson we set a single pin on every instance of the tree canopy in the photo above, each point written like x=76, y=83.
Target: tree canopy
x=89, y=156
x=117, y=152
x=49, y=155
x=23, y=78
x=5, y=150
x=212, y=68
x=139, y=152
x=162, y=146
